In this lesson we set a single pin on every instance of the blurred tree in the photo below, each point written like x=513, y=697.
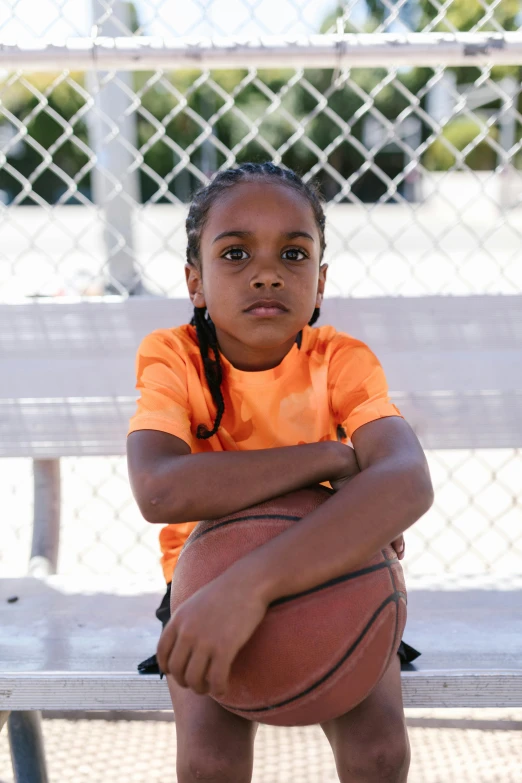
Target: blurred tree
x=462, y=15
x=463, y=134
x=34, y=131
x=262, y=122
x=467, y=15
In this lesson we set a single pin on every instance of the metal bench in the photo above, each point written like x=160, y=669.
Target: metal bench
x=67, y=389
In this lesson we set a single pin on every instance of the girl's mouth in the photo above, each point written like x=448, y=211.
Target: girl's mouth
x=266, y=308
x=266, y=311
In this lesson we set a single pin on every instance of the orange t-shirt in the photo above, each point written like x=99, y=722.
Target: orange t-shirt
x=323, y=390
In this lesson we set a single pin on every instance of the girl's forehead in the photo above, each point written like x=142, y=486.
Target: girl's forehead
x=252, y=201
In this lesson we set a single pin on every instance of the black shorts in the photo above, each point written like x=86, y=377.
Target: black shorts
x=406, y=653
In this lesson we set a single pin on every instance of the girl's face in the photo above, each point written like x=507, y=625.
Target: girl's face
x=260, y=242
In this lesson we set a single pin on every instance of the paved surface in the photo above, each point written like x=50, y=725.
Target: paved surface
x=448, y=746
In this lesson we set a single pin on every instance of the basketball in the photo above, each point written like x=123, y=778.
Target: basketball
x=316, y=654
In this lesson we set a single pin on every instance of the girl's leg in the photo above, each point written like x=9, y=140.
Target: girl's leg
x=212, y=743
x=370, y=743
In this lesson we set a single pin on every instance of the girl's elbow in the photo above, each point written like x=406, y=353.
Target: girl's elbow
x=428, y=498
x=417, y=490
x=159, y=507
x=425, y=493
x=158, y=513
x=151, y=509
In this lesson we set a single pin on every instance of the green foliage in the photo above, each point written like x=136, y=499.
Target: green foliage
x=44, y=133
x=462, y=15
x=462, y=134
x=173, y=117
x=468, y=14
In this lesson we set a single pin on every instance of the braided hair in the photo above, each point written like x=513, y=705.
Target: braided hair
x=197, y=216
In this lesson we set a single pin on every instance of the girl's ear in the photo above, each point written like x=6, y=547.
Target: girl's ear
x=195, y=286
x=321, y=284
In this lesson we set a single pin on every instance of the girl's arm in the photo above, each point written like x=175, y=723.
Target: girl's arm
x=392, y=492
x=172, y=485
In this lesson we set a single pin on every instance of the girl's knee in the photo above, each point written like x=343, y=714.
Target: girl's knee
x=206, y=766
x=384, y=759
x=212, y=744
x=388, y=762
x=212, y=770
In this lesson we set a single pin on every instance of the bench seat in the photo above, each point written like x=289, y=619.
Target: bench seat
x=62, y=649
x=68, y=382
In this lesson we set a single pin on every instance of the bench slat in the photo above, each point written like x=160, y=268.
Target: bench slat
x=121, y=691
x=60, y=651
x=454, y=368
x=48, y=429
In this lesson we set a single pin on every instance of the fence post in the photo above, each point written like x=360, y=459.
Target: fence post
x=113, y=138
x=509, y=191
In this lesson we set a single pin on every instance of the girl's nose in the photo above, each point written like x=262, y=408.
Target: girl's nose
x=267, y=276
x=268, y=283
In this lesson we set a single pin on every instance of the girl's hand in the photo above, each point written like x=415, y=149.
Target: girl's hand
x=349, y=470
x=399, y=546
x=204, y=635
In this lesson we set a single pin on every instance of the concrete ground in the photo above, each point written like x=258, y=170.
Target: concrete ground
x=457, y=240
x=448, y=746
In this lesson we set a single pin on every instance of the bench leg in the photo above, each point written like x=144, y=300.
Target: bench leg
x=27, y=747
x=4, y=714
x=46, y=523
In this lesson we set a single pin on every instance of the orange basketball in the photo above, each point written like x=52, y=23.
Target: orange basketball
x=316, y=654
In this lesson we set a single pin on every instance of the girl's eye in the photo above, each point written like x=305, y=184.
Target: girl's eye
x=238, y=250
x=296, y=250
x=234, y=250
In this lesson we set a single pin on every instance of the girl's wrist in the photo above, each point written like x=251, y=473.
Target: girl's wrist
x=346, y=461
x=250, y=576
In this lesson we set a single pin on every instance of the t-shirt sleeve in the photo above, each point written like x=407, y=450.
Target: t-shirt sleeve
x=161, y=379
x=357, y=385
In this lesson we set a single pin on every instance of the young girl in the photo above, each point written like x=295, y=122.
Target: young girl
x=246, y=403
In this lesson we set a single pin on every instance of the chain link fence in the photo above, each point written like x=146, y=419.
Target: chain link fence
x=420, y=166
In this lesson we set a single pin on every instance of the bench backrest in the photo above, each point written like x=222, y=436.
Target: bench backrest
x=67, y=387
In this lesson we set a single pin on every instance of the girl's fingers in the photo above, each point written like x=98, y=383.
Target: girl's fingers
x=217, y=676
x=165, y=645
x=178, y=660
x=399, y=546
x=196, y=670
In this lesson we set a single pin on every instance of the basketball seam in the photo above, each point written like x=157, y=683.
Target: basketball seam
x=394, y=588
x=290, y=518
x=394, y=597
x=286, y=517
x=331, y=582
x=310, y=591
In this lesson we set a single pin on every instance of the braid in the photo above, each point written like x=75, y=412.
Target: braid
x=315, y=316
x=196, y=219
x=213, y=371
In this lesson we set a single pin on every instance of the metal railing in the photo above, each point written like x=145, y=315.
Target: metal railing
x=412, y=128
